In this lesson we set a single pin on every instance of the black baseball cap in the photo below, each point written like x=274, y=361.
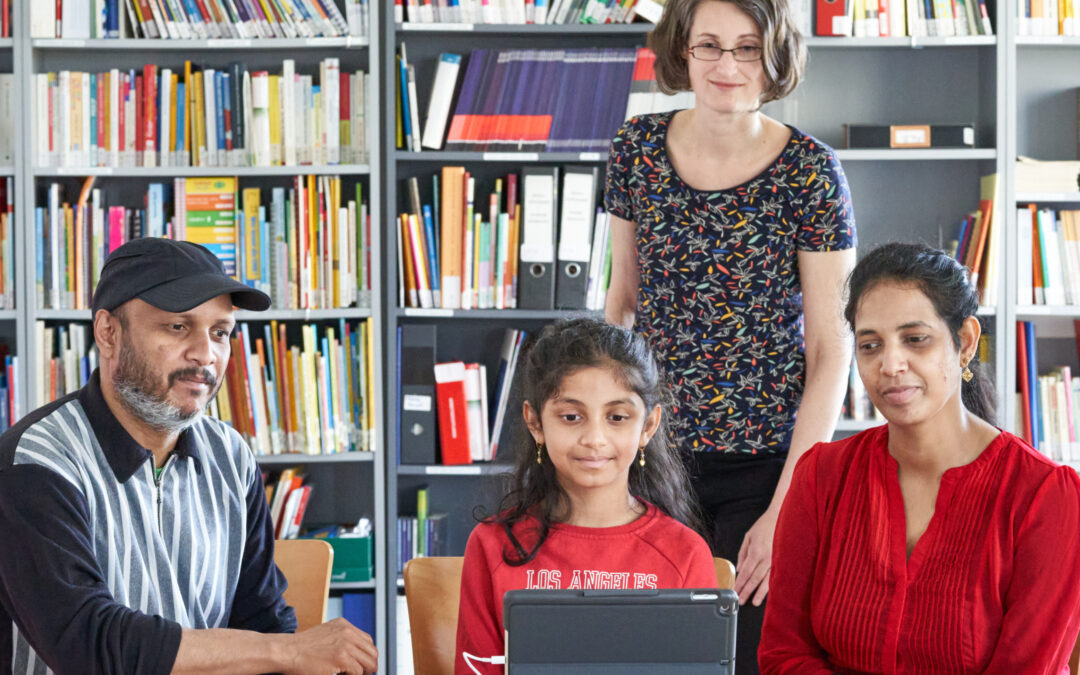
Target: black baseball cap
x=174, y=276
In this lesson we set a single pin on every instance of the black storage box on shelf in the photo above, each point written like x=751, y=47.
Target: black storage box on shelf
x=909, y=136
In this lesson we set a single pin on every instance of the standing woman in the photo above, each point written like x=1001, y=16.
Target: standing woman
x=732, y=235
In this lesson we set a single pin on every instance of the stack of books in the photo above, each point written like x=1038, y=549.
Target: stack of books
x=196, y=20
x=469, y=254
x=1048, y=256
x=1047, y=405
x=65, y=359
x=978, y=242
x=307, y=246
x=228, y=117
x=7, y=242
x=424, y=535
x=1047, y=17
x=527, y=11
x=288, y=499
x=896, y=18
x=316, y=397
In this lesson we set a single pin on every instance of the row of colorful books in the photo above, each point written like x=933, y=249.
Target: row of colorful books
x=197, y=19
x=556, y=100
x=526, y=11
x=469, y=254
x=288, y=497
x=899, y=18
x=308, y=247
x=978, y=241
x=1048, y=256
x=7, y=243
x=1047, y=17
x=424, y=535
x=1048, y=405
x=64, y=361
x=200, y=116
x=315, y=397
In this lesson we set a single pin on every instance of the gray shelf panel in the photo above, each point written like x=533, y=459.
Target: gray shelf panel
x=488, y=314
x=300, y=458
x=352, y=585
x=845, y=424
x=882, y=154
x=192, y=171
x=901, y=42
x=921, y=154
x=461, y=470
x=203, y=45
x=1048, y=197
x=986, y=311
x=7, y=171
x=7, y=43
x=1047, y=41
x=557, y=29
x=1036, y=311
x=443, y=156
x=241, y=315
x=9, y=314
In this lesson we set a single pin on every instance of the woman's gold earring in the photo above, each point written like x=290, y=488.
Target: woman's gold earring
x=641, y=461
x=966, y=374
x=539, y=453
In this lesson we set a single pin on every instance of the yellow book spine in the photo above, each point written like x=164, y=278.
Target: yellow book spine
x=250, y=234
x=224, y=409
x=69, y=237
x=188, y=107
x=197, y=116
x=275, y=120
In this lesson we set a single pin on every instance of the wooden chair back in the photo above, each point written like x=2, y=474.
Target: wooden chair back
x=306, y=564
x=432, y=592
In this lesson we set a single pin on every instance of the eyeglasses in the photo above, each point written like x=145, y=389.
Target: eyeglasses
x=709, y=52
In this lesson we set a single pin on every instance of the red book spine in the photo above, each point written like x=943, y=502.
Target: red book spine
x=140, y=140
x=450, y=402
x=121, y=109
x=150, y=116
x=59, y=18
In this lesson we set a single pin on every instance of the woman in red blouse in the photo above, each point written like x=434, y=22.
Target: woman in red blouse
x=936, y=543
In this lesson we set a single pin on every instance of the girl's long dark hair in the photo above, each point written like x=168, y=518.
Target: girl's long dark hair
x=560, y=350
x=945, y=282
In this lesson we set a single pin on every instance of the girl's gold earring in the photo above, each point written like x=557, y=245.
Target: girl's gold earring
x=539, y=453
x=966, y=374
x=641, y=461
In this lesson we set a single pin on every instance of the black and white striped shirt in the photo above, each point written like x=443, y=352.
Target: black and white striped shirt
x=101, y=564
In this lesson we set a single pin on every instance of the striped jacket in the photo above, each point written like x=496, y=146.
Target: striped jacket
x=102, y=564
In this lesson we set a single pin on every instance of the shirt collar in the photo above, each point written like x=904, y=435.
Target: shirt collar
x=124, y=454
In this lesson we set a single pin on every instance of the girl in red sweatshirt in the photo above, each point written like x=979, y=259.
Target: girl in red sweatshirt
x=601, y=501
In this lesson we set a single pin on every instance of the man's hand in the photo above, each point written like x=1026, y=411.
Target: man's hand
x=755, y=559
x=333, y=647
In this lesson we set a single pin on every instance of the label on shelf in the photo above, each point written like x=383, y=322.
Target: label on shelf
x=512, y=156
x=414, y=311
x=437, y=26
x=456, y=470
x=589, y=157
x=228, y=42
x=416, y=403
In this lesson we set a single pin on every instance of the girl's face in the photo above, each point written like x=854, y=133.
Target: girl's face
x=592, y=429
x=906, y=356
x=725, y=85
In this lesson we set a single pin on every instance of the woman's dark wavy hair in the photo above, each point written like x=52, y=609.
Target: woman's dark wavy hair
x=560, y=350
x=945, y=282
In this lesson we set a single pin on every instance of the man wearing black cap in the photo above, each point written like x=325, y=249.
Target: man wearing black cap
x=134, y=531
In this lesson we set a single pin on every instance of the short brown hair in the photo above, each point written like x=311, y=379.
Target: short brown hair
x=783, y=57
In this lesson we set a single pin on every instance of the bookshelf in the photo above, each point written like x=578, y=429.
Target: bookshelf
x=346, y=485
x=1042, y=123
x=972, y=90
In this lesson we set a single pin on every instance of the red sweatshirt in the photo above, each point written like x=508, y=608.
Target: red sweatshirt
x=993, y=586
x=654, y=551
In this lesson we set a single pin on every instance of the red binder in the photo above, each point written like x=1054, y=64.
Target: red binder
x=827, y=10
x=450, y=402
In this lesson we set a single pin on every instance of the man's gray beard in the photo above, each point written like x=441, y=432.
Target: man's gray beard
x=154, y=412
x=130, y=381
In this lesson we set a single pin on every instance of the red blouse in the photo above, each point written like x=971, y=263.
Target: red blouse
x=993, y=586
